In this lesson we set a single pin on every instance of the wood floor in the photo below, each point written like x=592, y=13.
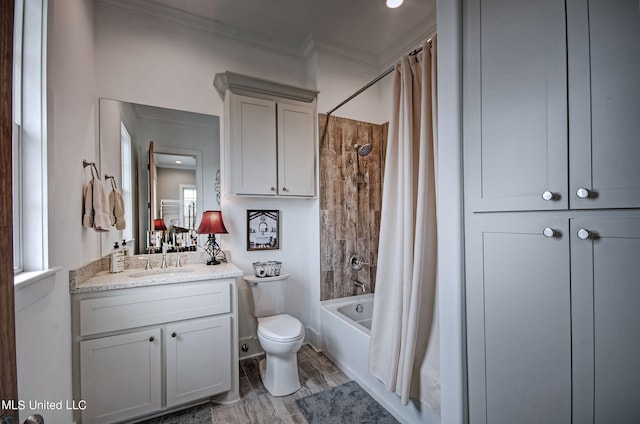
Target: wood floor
x=256, y=404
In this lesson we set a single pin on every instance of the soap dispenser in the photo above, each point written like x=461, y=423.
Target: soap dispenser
x=117, y=259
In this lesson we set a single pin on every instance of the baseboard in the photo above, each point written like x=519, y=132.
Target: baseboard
x=313, y=338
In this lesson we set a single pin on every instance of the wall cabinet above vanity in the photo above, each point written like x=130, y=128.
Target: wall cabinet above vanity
x=269, y=146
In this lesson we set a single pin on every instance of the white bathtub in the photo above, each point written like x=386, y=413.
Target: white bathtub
x=346, y=332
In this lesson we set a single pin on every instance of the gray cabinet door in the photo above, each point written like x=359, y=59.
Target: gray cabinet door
x=604, y=97
x=515, y=104
x=518, y=320
x=605, y=290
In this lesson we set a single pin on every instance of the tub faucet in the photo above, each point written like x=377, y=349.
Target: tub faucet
x=361, y=285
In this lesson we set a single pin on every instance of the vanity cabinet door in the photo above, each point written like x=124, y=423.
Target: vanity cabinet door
x=296, y=150
x=605, y=290
x=253, y=146
x=121, y=376
x=518, y=320
x=198, y=357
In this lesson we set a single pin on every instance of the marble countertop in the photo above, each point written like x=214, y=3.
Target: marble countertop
x=139, y=277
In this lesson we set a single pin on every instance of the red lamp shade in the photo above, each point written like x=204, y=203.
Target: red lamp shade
x=212, y=223
x=159, y=225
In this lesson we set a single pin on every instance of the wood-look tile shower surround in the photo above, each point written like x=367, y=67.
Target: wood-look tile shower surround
x=350, y=202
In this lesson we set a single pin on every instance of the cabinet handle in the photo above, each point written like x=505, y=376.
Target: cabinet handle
x=583, y=193
x=549, y=232
x=584, y=234
x=151, y=339
x=174, y=334
x=549, y=195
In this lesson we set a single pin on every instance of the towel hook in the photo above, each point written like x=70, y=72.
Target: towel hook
x=85, y=163
x=113, y=180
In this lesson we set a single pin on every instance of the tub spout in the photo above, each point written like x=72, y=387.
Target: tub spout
x=360, y=285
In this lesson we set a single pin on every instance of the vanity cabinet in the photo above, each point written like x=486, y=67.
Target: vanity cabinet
x=145, y=350
x=270, y=137
x=552, y=99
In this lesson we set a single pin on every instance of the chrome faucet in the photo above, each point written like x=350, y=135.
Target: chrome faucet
x=148, y=264
x=361, y=285
x=164, y=256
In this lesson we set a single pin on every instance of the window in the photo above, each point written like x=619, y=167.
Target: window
x=127, y=185
x=188, y=200
x=29, y=158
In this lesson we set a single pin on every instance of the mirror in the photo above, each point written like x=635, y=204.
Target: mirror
x=140, y=146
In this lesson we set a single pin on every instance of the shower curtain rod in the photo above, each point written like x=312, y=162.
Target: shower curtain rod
x=351, y=97
x=375, y=80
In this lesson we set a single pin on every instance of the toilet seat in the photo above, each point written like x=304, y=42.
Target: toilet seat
x=280, y=328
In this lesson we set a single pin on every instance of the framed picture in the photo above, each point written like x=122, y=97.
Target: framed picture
x=263, y=230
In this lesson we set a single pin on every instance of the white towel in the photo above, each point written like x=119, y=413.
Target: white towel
x=116, y=210
x=96, y=206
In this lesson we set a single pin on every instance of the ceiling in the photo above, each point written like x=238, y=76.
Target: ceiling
x=365, y=29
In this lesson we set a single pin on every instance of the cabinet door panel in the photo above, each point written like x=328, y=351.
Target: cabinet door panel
x=604, y=119
x=120, y=376
x=253, y=146
x=519, y=327
x=516, y=105
x=296, y=150
x=606, y=315
x=198, y=359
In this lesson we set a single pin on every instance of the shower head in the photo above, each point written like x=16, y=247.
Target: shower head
x=363, y=150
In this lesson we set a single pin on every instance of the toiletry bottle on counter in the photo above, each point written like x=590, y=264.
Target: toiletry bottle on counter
x=126, y=249
x=117, y=259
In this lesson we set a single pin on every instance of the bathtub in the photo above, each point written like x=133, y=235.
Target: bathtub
x=346, y=331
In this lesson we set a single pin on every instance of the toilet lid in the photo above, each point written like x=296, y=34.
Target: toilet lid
x=280, y=328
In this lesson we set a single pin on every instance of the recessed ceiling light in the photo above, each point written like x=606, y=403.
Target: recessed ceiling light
x=392, y=4
x=178, y=162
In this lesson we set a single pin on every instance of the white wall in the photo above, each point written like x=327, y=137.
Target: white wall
x=153, y=62
x=43, y=329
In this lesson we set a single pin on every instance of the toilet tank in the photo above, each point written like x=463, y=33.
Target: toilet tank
x=267, y=295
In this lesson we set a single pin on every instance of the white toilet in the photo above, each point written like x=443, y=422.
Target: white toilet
x=280, y=335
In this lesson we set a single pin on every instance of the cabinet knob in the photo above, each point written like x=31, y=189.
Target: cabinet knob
x=151, y=339
x=584, y=234
x=285, y=189
x=174, y=334
x=549, y=232
x=273, y=189
x=549, y=195
x=583, y=193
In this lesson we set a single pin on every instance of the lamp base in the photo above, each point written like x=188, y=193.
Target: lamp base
x=213, y=261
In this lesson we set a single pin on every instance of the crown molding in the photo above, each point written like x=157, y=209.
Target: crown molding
x=409, y=41
x=312, y=46
x=149, y=8
x=245, y=84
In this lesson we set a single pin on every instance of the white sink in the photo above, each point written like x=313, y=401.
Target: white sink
x=161, y=271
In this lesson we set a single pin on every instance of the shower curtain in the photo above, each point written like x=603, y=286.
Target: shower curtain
x=404, y=349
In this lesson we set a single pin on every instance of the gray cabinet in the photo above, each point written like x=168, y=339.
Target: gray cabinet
x=552, y=148
x=552, y=104
x=605, y=290
x=519, y=320
x=552, y=322
x=515, y=104
x=604, y=102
